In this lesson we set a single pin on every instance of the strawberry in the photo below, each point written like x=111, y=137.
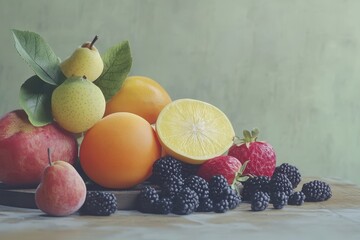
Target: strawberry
x=261, y=155
x=228, y=166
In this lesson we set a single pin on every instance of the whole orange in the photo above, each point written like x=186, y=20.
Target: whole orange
x=140, y=95
x=119, y=151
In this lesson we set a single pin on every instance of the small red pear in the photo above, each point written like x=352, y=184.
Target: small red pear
x=61, y=191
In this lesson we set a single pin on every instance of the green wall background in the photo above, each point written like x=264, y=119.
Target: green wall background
x=290, y=68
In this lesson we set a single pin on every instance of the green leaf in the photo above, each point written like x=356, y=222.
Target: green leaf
x=255, y=133
x=40, y=57
x=35, y=99
x=243, y=167
x=117, y=65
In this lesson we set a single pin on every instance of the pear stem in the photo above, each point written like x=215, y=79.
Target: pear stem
x=49, y=157
x=93, y=41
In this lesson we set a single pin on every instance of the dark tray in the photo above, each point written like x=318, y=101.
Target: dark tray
x=24, y=197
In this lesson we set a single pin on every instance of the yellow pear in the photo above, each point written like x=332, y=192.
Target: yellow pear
x=77, y=104
x=85, y=61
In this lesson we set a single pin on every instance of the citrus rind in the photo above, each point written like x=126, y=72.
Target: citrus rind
x=194, y=131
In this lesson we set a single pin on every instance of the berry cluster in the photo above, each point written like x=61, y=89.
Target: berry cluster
x=182, y=192
x=99, y=203
x=278, y=190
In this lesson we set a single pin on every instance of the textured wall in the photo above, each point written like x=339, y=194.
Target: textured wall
x=290, y=68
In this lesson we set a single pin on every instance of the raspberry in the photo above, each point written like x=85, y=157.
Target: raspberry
x=316, y=191
x=147, y=199
x=185, y=202
x=297, y=198
x=260, y=201
x=280, y=183
x=199, y=185
x=224, y=165
x=279, y=199
x=291, y=172
x=99, y=203
x=253, y=185
x=260, y=153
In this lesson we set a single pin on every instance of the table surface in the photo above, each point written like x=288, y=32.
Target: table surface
x=337, y=218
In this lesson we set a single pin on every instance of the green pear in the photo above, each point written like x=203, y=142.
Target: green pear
x=85, y=61
x=77, y=104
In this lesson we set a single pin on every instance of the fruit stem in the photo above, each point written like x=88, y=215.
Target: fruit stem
x=49, y=157
x=93, y=41
x=240, y=177
x=237, y=140
x=249, y=137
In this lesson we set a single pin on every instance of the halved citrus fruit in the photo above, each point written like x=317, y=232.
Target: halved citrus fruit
x=194, y=131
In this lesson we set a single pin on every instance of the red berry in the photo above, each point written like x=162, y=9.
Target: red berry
x=261, y=155
x=227, y=166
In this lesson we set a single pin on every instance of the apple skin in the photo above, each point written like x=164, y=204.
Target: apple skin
x=62, y=191
x=23, y=148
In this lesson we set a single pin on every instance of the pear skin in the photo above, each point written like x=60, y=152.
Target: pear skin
x=85, y=61
x=62, y=191
x=77, y=104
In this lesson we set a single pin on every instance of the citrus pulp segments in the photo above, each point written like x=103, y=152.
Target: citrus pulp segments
x=194, y=131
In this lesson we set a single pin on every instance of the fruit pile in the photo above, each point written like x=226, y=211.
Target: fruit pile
x=184, y=192
x=181, y=191
x=279, y=190
x=121, y=131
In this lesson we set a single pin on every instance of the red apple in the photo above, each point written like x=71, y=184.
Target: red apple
x=23, y=148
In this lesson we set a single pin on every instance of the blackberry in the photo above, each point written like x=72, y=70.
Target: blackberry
x=316, y=191
x=205, y=205
x=216, y=185
x=223, y=194
x=221, y=206
x=147, y=199
x=279, y=199
x=280, y=183
x=163, y=206
x=185, y=202
x=292, y=173
x=296, y=198
x=164, y=168
x=253, y=185
x=172, y=187
x=99, y=203
x=199, y=185
x=260, y=201
x=188, y=169
x=233, y=199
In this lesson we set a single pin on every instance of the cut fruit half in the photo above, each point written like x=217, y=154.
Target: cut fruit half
x=194, y=131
